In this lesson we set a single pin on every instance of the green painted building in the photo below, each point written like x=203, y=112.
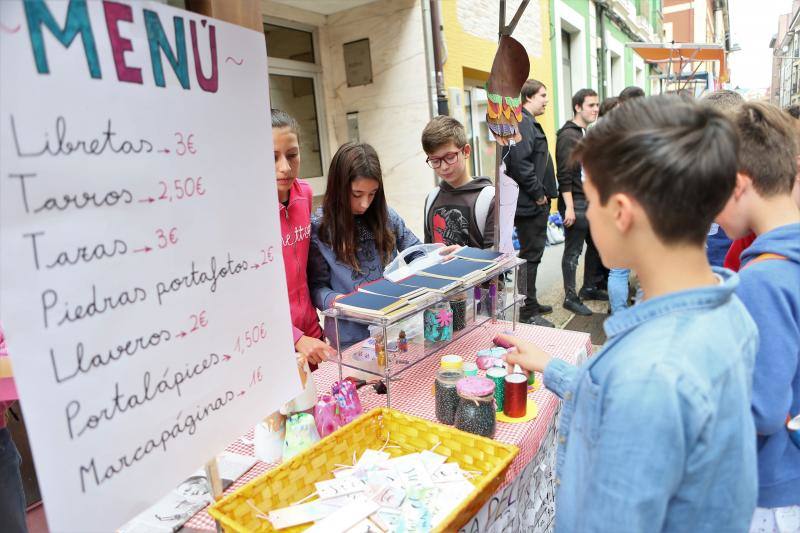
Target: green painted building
x=588, y=49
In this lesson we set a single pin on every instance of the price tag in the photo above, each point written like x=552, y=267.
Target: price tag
x=332, y=488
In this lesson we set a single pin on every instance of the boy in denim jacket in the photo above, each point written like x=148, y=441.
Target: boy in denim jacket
x=656, y=432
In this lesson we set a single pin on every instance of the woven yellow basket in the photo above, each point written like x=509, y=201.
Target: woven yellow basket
x=294, y=479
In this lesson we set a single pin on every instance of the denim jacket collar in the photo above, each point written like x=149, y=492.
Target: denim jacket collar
x=700, y=298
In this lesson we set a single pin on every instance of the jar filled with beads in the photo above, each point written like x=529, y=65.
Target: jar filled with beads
x=446, y=394
x=458, y=304
x=476, y=411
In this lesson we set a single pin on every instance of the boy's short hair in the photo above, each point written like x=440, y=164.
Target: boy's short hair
x=676, y=158
x=442, y=130
x=725, y=100
x=631, y=92
x=768, y=147
x=580, y=97
x=530, y=88
x=282, y=119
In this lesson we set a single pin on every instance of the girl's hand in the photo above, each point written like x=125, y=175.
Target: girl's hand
x=314, y=350
x=448, y=251
x=337, y=297
x=526, y=354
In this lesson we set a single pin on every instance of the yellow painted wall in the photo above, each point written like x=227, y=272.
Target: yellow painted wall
x=466, y=51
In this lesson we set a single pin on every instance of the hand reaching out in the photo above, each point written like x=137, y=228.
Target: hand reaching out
x=314, y=350
x=448, y=251
x=526, y=354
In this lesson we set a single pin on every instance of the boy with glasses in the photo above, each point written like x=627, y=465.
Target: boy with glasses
x=461, y=209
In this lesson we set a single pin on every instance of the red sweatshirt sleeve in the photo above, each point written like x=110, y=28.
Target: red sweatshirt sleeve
x=732, y=258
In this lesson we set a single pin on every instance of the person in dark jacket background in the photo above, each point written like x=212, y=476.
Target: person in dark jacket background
x=529, y=164
x=572, y=202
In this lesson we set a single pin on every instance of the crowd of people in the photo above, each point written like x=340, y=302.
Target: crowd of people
x=680, y=422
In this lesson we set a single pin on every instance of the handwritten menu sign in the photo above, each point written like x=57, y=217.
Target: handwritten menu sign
x=143, y=290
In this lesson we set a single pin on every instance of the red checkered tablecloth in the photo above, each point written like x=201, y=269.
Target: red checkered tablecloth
x=413, y=395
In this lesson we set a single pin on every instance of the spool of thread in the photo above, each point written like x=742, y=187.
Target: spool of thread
x=470, y=369
x=498, y=375
x=515, y=395
x=451, y=362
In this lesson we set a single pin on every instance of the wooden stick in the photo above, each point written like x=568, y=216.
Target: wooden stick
x=508, y=30
x=215, y=484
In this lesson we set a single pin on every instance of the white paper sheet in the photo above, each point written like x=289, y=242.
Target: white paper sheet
x=143, y=290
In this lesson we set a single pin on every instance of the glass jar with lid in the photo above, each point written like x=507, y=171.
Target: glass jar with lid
x=446, y=394
x=476, y=411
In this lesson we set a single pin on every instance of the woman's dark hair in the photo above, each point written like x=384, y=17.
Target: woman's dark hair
x=608, y=104
x=677, y=158
x=338, y=226
x=282, y=119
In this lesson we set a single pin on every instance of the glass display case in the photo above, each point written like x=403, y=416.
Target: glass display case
x=433, y=322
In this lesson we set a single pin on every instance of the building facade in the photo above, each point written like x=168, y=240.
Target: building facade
x=589, y=49
x=697, y=22
x=377, y=70
x=785, y=86
x=367, y=70
x=469, y=31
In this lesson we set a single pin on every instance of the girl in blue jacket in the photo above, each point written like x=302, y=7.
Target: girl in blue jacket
x=354, y=235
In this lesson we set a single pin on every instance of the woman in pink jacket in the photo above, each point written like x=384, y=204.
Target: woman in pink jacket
x=12, y=495
x=296, y=197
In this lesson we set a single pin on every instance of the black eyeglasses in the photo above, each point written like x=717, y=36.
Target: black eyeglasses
x=449, y=158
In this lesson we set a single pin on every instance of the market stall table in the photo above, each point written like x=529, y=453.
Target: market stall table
x=525, y=500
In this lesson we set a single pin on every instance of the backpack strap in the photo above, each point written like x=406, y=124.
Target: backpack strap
x=429, y=200
x=775, y=257
x=482, y=205
x=766, y=257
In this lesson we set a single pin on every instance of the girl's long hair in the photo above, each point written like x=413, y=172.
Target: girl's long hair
x=338, y=226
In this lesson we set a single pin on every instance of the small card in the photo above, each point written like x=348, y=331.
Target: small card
x=367, y=526
x=345, y=517
x=389, y=519
x=450, y=496
x=432, y=461
x=448, y=473
x=372, y=458
x=417, y=509
x=383, y=476
x=331, y=488
x=412, y=471
x=304, y=513
x=389, y=496
x=344, y=472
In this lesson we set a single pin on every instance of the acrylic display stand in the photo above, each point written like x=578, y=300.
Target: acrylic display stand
x=488, y=298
